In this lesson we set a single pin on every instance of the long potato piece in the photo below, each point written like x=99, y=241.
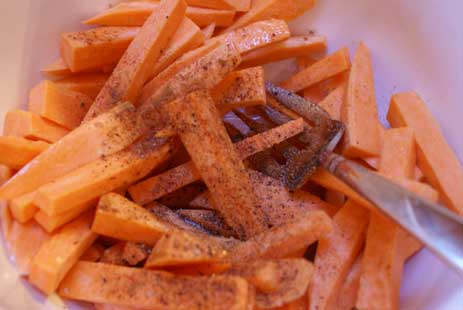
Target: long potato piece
x=102, y=176
x=118, y=217
x=134, y=68
x=171, y=180
x=336, y=253
x=97, y=282
x=22, y=207
x=88, y=84
x=283, y=240
x=105, y=135
x=434, y=156
x=60, y=253
x=197, y=122
x=15, y=152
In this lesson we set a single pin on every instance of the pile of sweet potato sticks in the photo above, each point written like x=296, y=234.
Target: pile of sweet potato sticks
x=140, y=176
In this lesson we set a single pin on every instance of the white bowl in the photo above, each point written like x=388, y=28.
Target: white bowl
x=416, y=45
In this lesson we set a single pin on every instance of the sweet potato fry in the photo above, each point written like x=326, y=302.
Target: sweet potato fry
x=240, y=89
x=359, y=111
x=6, y=221
x=5, y=173
x=167, y=290
x=58, y=104
x=134, y=68
x=327, y=67
x=105, y=135
x=95, y=48
x=435, y=158
x=28, y=125
x=208, y=31
x=277, y=282
x=336, y=253
x=282, y=240
x=113, y=254
x=289, y=48
x=88, y=84
x=334, y=101
x=102, y=176
x=52, y=223
x=184, y=249
x=57, y=255
x=214, y=4
x=122, y=219
x=134, y=253
x=56, y=69
x=23, y=208
x=266, y=9
x=204, y=16
x=209, y=219
x=25, y=240
x=196, y=120
x=15, y=152
x=93, y=253
x=349, y=289
x=171, y=180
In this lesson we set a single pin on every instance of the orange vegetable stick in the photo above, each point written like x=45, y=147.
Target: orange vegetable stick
x=60, y=105
x=173, y=179
x=102, y=176
x=319, y=71
x=25, y=124
x=334, y=101
x=204, y=16
x=135, y=65
x=359, y=111
x=289, y=48
x=208, y=31
x=188, y=36
x=349, y=289
x=15, y=152
x=25, y=241
x=93, y=253
x=321, y=90
x=134, y=253
x=240, y=89
x=336, y=253
x=280, y=241
x=6, y=222
x=57, y=255
x=56, y=69
x=97, y=282
x=204, y=136
x=257, y=35
x=95, y=48
x=435, y=158
x=180, y=248
x=52, y=223
x=103, y=136
x=178, y=66
x=213, y=4
x=88, y=84
x=265, y=9
x=120, y=218
x=22, y=207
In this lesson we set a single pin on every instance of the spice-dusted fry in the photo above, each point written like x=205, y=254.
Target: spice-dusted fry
x=204, y=16
x=435, y=158
x=265, y=9
x=282, y=240
x=277, y=282
x=196, y=120
x=319, y=71
x=134, y=68
x=28, y=125
x=15, y=152
x=239, y=89
x=334, y=101
x=173, y=179
x=105, y=135
x=209, y=219
x=208, y=31
x=336, y=253
x=57, y=255
x=289, y=48
x=97, y=282
x=102, y=176
x=88, y=84
x=134, y=253
x=95, y=48
x=122, y=219
x=362, y=137
x=24, y=241
x=181, y=248
x=58, y=104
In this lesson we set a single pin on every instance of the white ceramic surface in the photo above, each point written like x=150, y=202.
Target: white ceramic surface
x=416, y=45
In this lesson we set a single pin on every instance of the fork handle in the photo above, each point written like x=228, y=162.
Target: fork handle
x=438, y=228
